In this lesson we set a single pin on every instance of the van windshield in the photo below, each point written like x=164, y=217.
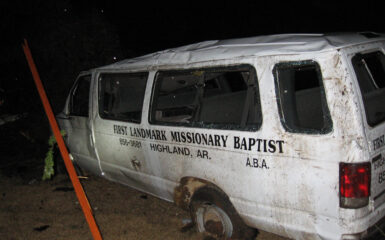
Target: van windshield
x=370, y=71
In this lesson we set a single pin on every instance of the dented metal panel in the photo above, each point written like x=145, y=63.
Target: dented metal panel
x=282, y=181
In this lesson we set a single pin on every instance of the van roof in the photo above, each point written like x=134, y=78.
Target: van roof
x=251, y=46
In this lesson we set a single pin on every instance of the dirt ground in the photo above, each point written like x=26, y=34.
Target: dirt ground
x=50, y=210
x=34, y=209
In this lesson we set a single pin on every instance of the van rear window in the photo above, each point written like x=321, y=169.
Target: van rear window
x=370, y=72
x=225, y=98
x=301, y=97
x=121, y=96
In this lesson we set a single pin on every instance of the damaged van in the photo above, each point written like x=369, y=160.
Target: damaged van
x=282, y=133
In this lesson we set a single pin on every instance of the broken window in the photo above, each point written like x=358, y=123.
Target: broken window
x=301, y=97
x=80, y=97
x=370, y=71
x=224, y=98
x=121, y=96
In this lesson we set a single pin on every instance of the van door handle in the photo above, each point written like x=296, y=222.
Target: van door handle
x=91, y=140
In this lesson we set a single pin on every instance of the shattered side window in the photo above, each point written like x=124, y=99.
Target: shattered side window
x=225, y=98
x=370, y=72
x=175, y=97
x=301, y=97
x=79, y=104
x=121, y=96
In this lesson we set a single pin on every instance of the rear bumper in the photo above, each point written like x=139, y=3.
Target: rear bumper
x=377, y=231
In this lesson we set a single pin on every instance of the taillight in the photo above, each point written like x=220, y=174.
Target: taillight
x=354, y=184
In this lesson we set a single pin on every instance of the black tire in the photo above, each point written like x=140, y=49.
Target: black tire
x=214, y=215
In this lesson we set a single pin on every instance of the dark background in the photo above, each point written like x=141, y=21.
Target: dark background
x=67, y=37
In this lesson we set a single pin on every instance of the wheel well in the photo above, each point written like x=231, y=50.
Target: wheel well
x=188, y=186
x=194, y=190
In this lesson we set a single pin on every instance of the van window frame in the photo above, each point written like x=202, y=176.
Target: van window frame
x=196, y=124
x=328, y=123
x=354, y=59
x=100, y=97
x=74, y=91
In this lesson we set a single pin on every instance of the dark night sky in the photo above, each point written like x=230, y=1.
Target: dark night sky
x=148, y=26
x=156, y=26
x=68, y=36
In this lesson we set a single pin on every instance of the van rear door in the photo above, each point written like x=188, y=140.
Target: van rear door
x=370, y=71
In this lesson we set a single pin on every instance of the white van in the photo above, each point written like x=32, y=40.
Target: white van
x=283, y=133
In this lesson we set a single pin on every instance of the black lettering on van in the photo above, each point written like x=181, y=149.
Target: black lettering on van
x=259, y=145
x=170, y=149
x=203, y=154
x=203, y=139
x=378, y=142
x=122, y=130
x=148, y=133
x=256, y=163
x=252, y=142
x=381, y=177
x=272, y=147
x=378, y=161
x=280, y=143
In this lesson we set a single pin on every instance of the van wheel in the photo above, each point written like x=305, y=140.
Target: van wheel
x=213, y=214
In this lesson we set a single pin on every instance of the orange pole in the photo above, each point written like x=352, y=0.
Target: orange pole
x=63, y=150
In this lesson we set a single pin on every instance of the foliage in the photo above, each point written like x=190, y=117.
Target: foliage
x=49, y=158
